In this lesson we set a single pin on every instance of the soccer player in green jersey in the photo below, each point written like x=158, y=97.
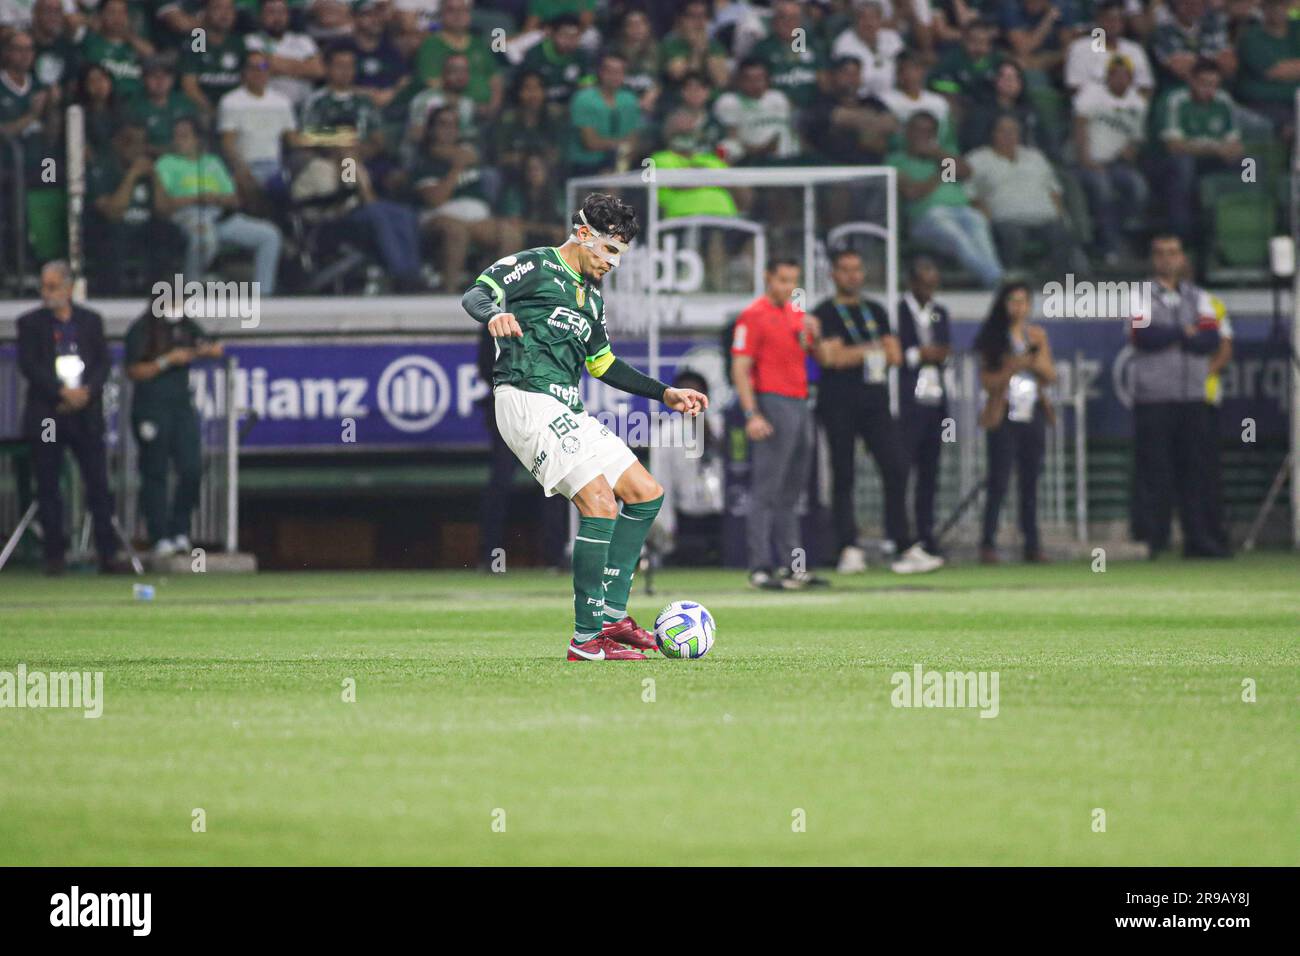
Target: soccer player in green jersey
x=544, y=309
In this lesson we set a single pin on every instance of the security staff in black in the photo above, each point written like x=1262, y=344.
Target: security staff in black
x=160, y=346
x=855, y=352
x=925, y=336
x=64, y=357
x=1173, y=345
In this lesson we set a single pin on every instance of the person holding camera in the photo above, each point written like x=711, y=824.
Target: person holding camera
x=1015, y=368
x=160, y=347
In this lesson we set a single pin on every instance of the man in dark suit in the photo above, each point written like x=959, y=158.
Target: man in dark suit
x=924, y=334
x=64, y=357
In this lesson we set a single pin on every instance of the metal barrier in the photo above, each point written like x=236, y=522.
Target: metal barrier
x=1062, y=486
x=216, y=519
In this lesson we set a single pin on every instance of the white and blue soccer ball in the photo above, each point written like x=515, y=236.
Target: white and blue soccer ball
x=684, y=629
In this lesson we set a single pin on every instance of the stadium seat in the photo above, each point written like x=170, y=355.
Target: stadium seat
x=328, y=254
x=47, y=217
x=1241, y=218
x=1243, y=224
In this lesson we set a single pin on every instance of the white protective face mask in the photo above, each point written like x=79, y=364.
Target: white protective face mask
x=605, y=247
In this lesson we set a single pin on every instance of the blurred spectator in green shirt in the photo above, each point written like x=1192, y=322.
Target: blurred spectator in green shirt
x=635, y=42
x=210, y=73
x=965, y=73
x=194, y=190
x=939, y=215
x=1269, y=53
x=448, y=178
x=118, y=50
x=681, y=154
x=528, y=126
x=694, y=99
x=339, y=104
x=132, y=245
x=563, y=64
x=1193, y=31
x=28, y=111
x=57, y=39
x=845, y=127
x=797, y=63
x=98, y=99
x=534, y=203
x=486, y=86
x=605, y=120
x=541, y=12
x=689, y=49
x=159, y=106
x=1198, y=127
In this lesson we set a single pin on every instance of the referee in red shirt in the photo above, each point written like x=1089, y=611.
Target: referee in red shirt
x=769, y=350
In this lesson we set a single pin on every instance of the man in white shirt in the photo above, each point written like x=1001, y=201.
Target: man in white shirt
x=1109, y=126
x=296, y=63
x=910, y=96
x=1016, y=187
x=758, y=121
x=874, y=45
x=255, y=122
x=1089, y=56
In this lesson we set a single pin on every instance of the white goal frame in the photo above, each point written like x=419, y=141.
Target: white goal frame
x=651, y=179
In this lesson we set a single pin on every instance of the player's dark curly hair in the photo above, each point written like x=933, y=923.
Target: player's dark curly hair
x=610, y=215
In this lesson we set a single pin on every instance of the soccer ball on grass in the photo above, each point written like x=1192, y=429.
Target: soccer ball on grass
x=684, y=629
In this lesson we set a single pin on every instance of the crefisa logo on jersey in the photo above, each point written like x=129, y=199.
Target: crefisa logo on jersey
x=521, y=269
x=413, y=393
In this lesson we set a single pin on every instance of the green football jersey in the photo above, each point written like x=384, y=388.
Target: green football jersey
x=118, y=59
x=562, y=316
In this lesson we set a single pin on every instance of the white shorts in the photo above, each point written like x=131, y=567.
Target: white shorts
x=563, y=449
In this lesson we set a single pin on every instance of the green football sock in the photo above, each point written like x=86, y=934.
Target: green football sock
x=624, y=551
x=590, y=551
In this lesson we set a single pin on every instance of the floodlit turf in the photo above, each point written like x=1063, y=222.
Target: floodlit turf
x=1120, y=691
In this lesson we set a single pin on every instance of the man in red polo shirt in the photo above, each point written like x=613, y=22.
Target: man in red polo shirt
x=769, y=371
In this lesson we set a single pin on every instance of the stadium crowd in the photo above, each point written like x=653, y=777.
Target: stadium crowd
x=1028, y=134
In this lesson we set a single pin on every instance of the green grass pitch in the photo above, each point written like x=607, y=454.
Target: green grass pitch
x=1119, y=690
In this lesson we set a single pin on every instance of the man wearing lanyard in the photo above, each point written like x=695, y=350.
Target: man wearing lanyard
x=924, y=333
x=769, y=349
x=64, y=358
x=855, y=353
